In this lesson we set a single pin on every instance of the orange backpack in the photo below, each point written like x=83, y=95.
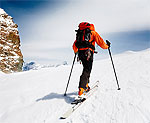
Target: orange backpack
x=83, y=36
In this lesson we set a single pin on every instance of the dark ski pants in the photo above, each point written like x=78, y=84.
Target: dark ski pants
x=87, y=67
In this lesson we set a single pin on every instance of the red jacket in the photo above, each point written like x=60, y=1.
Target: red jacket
x=95, y=37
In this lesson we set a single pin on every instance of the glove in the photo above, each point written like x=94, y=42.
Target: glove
x=108, y=43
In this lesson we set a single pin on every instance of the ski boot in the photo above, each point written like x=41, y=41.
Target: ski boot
x=81, y=93
x=87, y=88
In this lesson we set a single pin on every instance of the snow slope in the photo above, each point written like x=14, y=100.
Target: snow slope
x=36, y=96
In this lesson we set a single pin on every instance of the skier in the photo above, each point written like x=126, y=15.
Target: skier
x=84, y=46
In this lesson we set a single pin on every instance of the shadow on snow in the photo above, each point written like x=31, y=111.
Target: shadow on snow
x=68, y=98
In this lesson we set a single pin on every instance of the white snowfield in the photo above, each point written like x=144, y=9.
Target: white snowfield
x=36, y=96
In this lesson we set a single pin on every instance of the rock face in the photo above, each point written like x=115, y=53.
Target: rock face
x=11, y=58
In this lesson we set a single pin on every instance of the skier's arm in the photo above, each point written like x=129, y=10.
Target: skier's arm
x=100, y=41
x=74, y=47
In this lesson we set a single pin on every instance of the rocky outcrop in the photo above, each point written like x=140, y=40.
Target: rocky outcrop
x=11, y=58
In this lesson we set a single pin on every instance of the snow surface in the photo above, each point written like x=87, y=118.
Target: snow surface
x=36, y=96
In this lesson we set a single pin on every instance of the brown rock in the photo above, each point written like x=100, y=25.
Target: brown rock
x=11, y=58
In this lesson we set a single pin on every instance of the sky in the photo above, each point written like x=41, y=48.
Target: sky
x=46, y=27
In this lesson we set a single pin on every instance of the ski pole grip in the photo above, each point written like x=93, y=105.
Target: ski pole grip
x=108, y=43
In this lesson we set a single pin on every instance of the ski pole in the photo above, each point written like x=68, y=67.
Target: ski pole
x=108, y=43
x=70, y=73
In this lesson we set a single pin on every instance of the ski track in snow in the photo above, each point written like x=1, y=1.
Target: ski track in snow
x=36, y=96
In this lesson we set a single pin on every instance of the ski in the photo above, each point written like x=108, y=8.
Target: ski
x=80, y=101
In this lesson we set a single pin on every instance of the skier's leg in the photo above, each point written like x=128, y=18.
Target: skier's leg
x=87, y=67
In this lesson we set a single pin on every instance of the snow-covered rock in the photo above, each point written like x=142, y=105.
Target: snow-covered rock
x=11, y=58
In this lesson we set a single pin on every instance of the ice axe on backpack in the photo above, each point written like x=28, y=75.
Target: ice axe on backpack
x=108, y=43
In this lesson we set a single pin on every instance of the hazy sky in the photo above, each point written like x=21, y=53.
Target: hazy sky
x=47, y=26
